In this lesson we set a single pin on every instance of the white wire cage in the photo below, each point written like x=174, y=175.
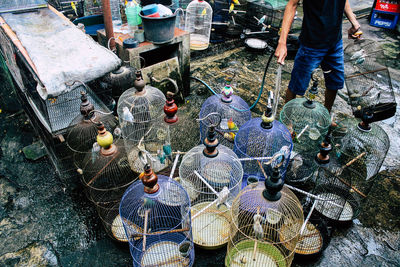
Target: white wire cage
x=141, y=116
x=266, y=223
x=212, y=176
x=155, y=214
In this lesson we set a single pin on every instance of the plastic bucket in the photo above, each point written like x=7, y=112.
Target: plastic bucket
x=159, y=30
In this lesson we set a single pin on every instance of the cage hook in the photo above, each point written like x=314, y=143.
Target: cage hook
x=215, y=124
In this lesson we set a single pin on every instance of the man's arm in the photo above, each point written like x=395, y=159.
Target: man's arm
x=354, y=32
x=290, y=11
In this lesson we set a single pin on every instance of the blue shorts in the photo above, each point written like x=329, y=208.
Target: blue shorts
x=308, y=59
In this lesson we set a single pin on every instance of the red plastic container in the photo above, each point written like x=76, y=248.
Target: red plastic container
x=388, y=6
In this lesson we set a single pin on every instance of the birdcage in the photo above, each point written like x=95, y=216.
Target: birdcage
x=266, y=140
x=308, y=121
x=82, y=133
x=105, y=170
x=233, y=110
x=339, y=199
x=212, y=176
x=266, y=222
x=315, y=236
x=367, y=77
x=198, y=24
x=155, y=213
x=106, y=175
x=141, y=116
x=354, y=137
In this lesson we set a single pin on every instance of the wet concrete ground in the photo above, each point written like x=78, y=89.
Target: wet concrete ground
x=43, y=222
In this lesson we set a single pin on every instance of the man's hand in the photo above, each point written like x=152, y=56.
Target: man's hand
x=281, y=53
x=354, y=33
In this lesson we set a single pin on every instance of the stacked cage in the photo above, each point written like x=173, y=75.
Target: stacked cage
x=106, y=175
x=155, y=213
x=367, y=78
x=145, y=133
x=82, y=133
x=212, y=176
x=308, y=121
x=266, y=224
x=233, y=110
x=266, y=140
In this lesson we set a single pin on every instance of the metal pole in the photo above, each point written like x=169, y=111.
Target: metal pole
x=108, y=24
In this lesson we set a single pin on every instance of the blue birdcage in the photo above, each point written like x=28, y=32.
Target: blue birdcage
x=233, y=110
x=156, y=217
x=265, y=141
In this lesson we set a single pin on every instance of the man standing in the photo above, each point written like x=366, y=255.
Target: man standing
x=320, y=44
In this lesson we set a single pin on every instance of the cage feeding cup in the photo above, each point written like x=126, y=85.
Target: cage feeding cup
x=106, y=175
x=266, y=224
x=212, y=176
x=233, y=110
x=82, y=132
x=156, y=216
x=367, y=78
x=264, y=139
x=145, y=132
x=308, y=121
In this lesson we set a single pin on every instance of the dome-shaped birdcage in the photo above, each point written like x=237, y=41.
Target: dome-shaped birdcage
x=339, y=200
x=308, y=121
x=266, y=222
x=212, y=176
x=198, y=24
x=367, y=78
x=353, y=137
x=266, y=140
x=106, y=175
x=141, y=116
x=233, y=110
x=315, y=236
x=82, y=133
x=155, y=213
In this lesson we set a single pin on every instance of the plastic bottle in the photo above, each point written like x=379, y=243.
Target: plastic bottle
x=132, y=11
x=198, y=23
x=116, y=14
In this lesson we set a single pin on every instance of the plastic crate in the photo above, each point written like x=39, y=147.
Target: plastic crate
x=388, y=6
x=384, y=19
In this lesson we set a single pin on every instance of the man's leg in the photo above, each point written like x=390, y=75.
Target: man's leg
x=333, y=67
x=289, y=95
x=330, y=96
x=307, y=59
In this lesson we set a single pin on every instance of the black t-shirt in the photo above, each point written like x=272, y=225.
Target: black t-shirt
x=322, y=23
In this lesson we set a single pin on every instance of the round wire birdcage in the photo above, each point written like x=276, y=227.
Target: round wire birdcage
x=315, y=237
x=341, y=200
x=264, y=139
x=233, y=110
x=106, y=175
x=82, y=132
x=367, y=77
x=266, y=222
x=308, y=121
x=212, y=176
x=155, y=214
x=354, y=137
x=141, y=116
